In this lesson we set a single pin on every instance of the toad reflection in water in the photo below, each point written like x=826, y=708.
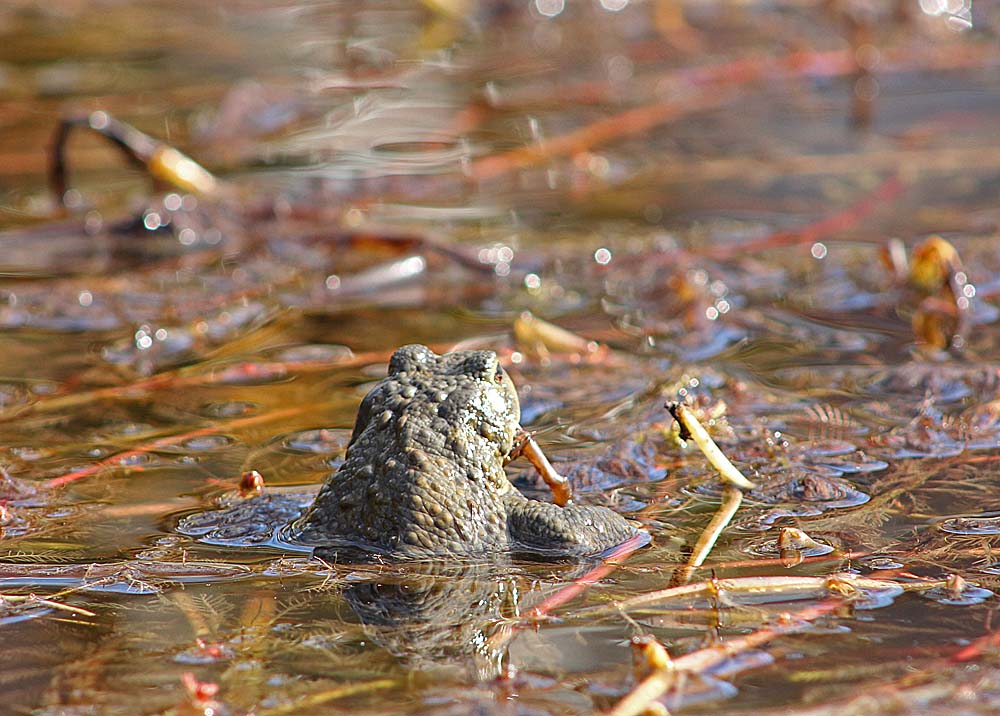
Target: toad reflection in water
x=439, y=615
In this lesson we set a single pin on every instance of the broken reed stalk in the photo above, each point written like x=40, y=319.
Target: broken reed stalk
x=732, y=496
x=691, y=429
x=581, y=584
x=631, y=122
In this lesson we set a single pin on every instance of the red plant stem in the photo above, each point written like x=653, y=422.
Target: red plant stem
x=632, y=121
x=888, y=190
x=168, y=441
x=578, y=586
x=976, y=648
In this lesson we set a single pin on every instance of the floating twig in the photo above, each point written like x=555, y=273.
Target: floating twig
x=660, y=680
x=788, y=587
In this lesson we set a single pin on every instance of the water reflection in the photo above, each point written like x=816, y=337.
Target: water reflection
x=435, y=614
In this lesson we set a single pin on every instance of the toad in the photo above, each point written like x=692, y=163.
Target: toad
x=424, y=472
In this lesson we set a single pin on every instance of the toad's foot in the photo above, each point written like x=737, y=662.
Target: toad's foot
x=577, y=531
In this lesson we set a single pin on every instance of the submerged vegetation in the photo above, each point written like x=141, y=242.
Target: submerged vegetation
x=779, y=219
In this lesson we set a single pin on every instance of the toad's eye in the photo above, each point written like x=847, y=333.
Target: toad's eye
x=498, y=376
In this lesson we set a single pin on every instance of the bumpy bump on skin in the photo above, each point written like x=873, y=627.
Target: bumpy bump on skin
x=424, y=473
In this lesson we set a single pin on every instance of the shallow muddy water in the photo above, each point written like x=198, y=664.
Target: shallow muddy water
x=728, y=203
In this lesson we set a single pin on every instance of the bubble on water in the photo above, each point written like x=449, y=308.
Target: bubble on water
x=550, y=8
x=124, y=429
x=152, y=221
x=313, y=353
x=134, y=460
x=44, y=387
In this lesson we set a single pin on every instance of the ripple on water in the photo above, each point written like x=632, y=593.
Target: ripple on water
x=415, y=146
x=58, y=309
x=317, y=441
x=966, y=597
x=773, y=548
x=804, y=495
x=819, y=490
x=417, y=154
x=133, y=577
x=136, y=459
x=877, y=562
x=128, y=429
x=840, y=458
x=971, y=525
x=921, y=443
x=312, y=353
x=251, y=522
x=204, y=443
x=255, y=373
x=229, y=409
x=920, y=379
